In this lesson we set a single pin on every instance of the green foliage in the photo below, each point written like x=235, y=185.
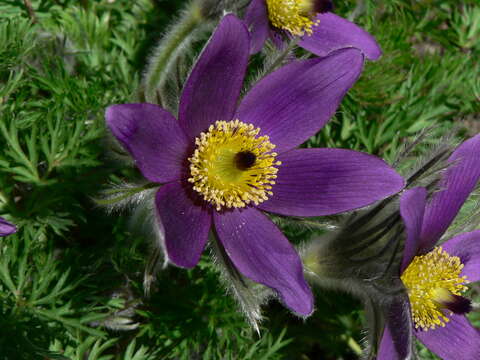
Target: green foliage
x=71, y=279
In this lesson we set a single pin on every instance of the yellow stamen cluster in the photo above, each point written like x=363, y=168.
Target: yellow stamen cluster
x=294, y=16
x=430, y=279
x=215, y=170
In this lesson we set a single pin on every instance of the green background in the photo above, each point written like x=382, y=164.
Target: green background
x=71, y=278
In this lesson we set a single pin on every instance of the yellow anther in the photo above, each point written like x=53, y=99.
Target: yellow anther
x=231, y=166
x=431, y=280
x=294, y=16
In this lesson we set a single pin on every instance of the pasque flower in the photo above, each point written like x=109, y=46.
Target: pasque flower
x=320, y=30
x=6, y=228
x=223, y=165
x=435, y=277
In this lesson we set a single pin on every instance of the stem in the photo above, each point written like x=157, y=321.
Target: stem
x=124, y=193
x=281, y=57
x=31, y=12
x=168, y=50
x=353, y=345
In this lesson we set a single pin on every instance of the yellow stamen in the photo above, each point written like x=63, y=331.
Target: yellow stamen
x=431, y=279
x=294, y=16
x=232, y=166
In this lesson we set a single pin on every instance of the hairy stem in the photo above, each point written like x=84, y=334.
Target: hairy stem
x=169, y=49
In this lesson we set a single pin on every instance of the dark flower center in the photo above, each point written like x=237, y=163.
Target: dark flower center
x=232, y=166
x=244, y=160
x=322, y=6
x=458, y=304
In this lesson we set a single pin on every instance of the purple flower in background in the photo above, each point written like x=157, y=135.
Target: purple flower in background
x=435, y=277
x=222, y=165
x=6, y=228
x=321, y=31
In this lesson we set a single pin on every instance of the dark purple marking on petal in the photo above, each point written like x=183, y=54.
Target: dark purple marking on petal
x=152, y=136
x=185, y=222
x=212, y=88
x=457, y=340
x=294, y=102
x=257, y=21
x=322, y=6
x=6, y=228
x=334, y=32
x=467, y=247
x=315, y=182
x=262, y=253
x=412, y=208
x=458, y=304
x=458, y=182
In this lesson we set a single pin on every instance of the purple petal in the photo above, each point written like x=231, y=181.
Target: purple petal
x=293, y=103
x=334, y=32
x=396, y=343
x=257, y=20
x=458, y=182
x=315, y=182
x=457, y=340
x=412, y=208
x=186, y=224
x=262, y=253
x=6, y=228
x=152, y=136
x=277, y=37
x=467, y=247
x=387, y=347
x=212, y=89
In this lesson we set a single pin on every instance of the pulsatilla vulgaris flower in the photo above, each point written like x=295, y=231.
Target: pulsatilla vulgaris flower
x=320, y=31
x=6, y=228
x=436, y=277
x=223, y=165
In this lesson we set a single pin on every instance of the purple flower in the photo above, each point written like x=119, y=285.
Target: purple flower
x=436, y=277
x=218, y=166
x=6, y=228
x=320, y=31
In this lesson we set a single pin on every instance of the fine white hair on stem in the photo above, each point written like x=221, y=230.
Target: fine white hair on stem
x=249, y=295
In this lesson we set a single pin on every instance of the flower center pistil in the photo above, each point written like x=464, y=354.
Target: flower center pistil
x=294, y=16
x=434, y=286
x=232, y=166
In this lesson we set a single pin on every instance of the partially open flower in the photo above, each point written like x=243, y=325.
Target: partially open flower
x=420, y=291
x=6, y=228
x=222, y=165
x=436, y=277
x=320, y=31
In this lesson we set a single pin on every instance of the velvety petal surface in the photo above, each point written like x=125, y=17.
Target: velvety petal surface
x=387, y=347
x=262, y=253
x=315, y=182
x=152, y=136
x=458, y=182
x=256, y=19
x=6, y=228
x=334, y=32
x=467, y=247
x=396, y=341
x=212, y=88
x=412, y=209
x=294, y=102
x=457, y=340
x=186, y=224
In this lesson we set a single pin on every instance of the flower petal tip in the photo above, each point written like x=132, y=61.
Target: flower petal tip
x=6, y=228
x=334, y=32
